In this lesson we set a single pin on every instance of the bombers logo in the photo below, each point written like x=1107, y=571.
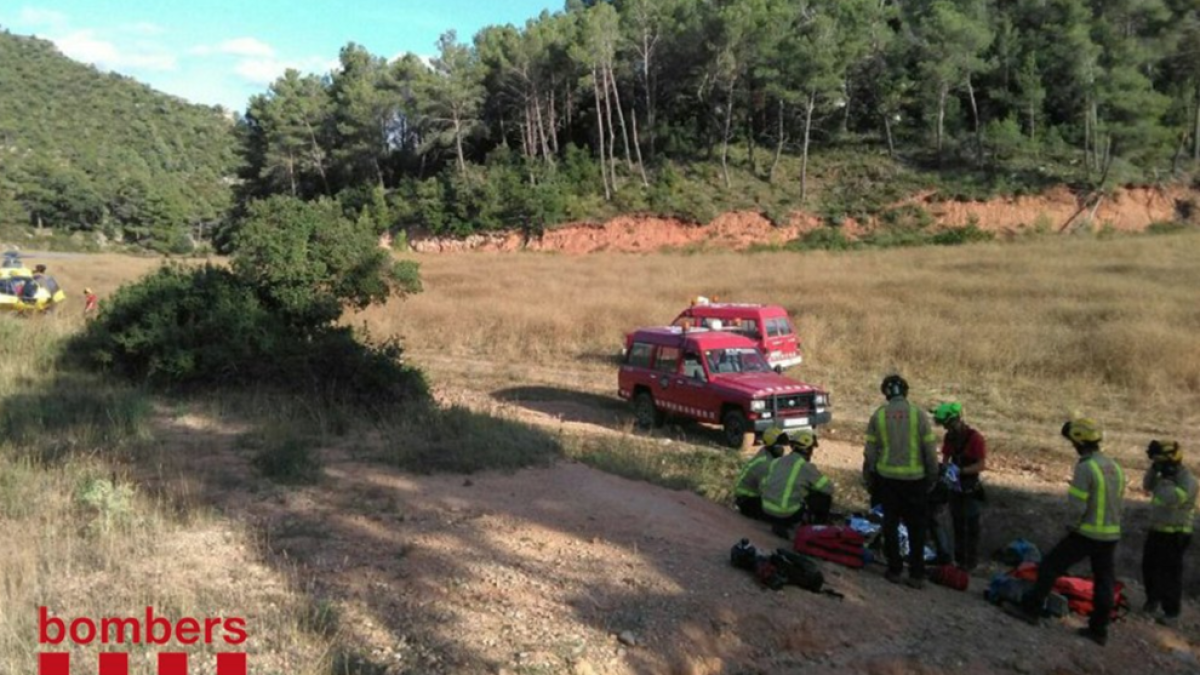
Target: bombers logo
x=143, y=630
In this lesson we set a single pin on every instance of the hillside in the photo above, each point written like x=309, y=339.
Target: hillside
x=93, y=151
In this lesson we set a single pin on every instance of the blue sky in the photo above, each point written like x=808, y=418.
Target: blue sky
x=224, y=51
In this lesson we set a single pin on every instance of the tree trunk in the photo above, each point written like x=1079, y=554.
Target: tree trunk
x=637, y=147
x=941, y=119
x=291, y=170
x=541, y=127
x=600, y=135
x=779, y=140
x=978, y=129
x=808, y=113
x=1087, y=142
x=846, y=106
x=1196, y=127
x=612, y=130
x=649, y=91
x=316, y=154
x=612, y=82
x=887, y=130
x=725, y=134
x=458, y=146
x=553, y=123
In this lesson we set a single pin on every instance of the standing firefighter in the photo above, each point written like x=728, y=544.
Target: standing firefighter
x=1098, y=491
x=747, y=495
x=900, y=467
x=1172, y=507
x=964, y=453
x=794, y=489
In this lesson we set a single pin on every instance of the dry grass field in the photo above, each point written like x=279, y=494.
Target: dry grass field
x=1024, y=334
x=85, y=535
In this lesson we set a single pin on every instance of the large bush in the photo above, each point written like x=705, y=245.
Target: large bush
x=268, y=321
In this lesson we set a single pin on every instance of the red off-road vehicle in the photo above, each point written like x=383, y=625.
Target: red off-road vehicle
x=717, y=377
x=767, y=325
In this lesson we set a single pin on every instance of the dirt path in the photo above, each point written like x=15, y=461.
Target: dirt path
x=569, y=569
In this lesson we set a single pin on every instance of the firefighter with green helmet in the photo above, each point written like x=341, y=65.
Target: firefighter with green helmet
x=1173, y=491
x=794, y=489
x=747, y=494
x=1097, y=493
x=964, y=458
x=900, y=469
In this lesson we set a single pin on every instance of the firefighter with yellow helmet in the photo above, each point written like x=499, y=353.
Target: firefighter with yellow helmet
x=1173, y=491
x=1097, y=491
x=747, y=493
x=794, y=489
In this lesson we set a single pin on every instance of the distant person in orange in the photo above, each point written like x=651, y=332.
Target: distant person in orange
x=91, y=303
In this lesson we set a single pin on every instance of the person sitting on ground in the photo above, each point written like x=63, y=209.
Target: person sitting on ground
x=748, y=494
x=794, y=490
x=1173, y=491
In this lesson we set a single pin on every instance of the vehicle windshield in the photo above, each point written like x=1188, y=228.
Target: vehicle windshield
x=735, y=360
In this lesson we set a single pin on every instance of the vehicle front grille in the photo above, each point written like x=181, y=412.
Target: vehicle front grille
x=792, y=402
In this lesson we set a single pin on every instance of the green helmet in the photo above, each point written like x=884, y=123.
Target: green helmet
x=947, y=412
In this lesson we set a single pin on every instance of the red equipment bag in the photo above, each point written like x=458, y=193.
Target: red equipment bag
x=951, y=577
x=835, y=543
x=1079, y=591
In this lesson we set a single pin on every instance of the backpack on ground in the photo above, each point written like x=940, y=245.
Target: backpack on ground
x=835, y=543
x=799, y=570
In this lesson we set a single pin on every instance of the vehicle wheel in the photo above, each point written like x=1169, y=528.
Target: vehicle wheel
x=736, y=428
x=645, y=412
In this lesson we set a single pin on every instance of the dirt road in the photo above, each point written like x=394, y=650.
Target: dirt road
x=569, y=569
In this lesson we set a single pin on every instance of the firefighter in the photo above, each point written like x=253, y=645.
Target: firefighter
x=1172, y=507
x=964, y=457
x=748, y=494
x=900, y=467
x=794, y=489
x=1097, y=491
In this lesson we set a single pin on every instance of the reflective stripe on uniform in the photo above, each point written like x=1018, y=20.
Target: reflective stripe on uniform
x=783, y=507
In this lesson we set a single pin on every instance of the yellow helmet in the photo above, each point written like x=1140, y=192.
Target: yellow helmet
x=1083, y=430
x=772, y=436
x=1165, y=452
x=804, y=440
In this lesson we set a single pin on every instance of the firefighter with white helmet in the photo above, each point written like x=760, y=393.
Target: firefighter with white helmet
x=1173, y=491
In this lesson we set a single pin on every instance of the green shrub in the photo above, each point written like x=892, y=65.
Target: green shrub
x=1167, y=227
x=961, y=235
x=823, y=238
x=205, y=326
x=288, y=459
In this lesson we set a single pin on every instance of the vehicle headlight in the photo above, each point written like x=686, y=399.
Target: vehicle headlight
x=821, y=399
x=758, y=406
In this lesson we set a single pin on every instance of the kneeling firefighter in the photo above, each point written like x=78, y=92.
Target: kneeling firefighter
x=795, y=490
x=747, y=495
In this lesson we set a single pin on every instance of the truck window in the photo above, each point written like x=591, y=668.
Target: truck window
x=778, y=327
x=639, y=354
x=668, y=359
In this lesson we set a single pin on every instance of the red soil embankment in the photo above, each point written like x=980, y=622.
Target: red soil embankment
x=1127, y=209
